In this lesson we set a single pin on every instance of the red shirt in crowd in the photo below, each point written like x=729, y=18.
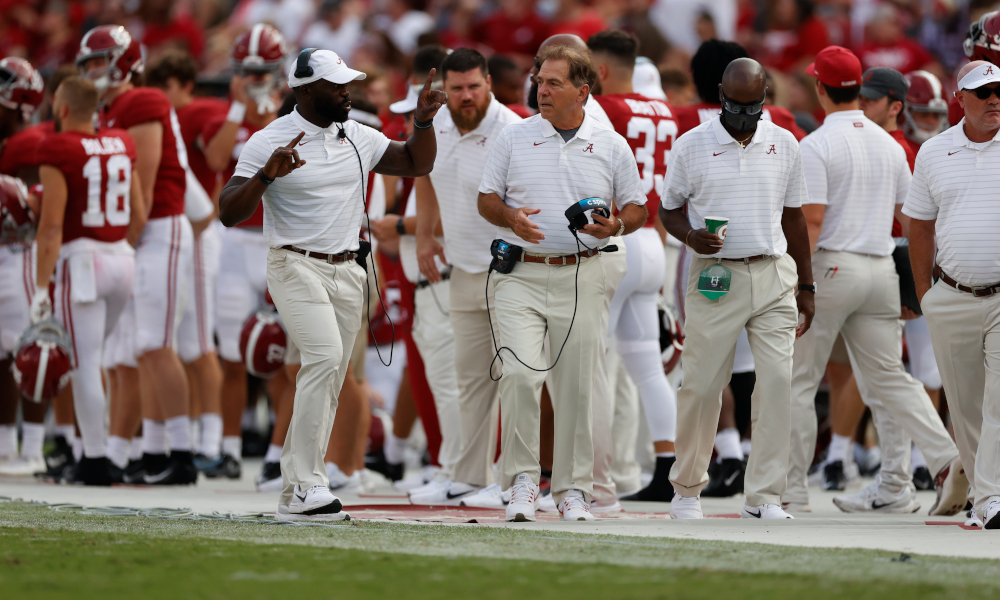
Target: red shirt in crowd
x=512, y=36
x=905, y=55
x=243, y=134
x=107, y=157
x=784, y=49
x=649, y=128
x=183, y=32
x=143, y=105
x=689, y=117
x=587, y=24
x=192, y=119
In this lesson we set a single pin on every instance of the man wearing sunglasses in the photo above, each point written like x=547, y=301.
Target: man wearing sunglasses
x=749, y=171
x=954, y=206
x=857, y=177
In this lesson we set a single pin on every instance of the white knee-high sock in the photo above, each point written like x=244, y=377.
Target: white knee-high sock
x=34, y=439
x=179, y=433
x=154, y=437
x=232, y=445
x=118, y=451
x=727, y=444
x=8, y=440
x=211, y=434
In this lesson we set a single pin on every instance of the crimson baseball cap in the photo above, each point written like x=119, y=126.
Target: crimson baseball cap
x=836, y=67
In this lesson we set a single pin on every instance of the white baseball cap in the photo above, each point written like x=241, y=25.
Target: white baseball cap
x=408, y=104
x=325, y=64
x=646, y=79
x=980, y=76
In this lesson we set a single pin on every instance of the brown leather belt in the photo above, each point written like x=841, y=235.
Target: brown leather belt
x=748, y=259
x=979, y=291
x=568, y=259
x=327, y=258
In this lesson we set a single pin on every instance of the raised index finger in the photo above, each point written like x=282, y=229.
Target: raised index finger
x=430, y=79
x=296, y=140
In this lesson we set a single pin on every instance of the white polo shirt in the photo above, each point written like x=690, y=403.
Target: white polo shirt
x=531, y=166
x=319, y=206
x=458, y=169
x=956, y=182
x=751, y=186
x=860, y=173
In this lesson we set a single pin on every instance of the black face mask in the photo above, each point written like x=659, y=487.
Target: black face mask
x=741, y=117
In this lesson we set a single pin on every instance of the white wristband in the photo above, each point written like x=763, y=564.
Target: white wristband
x=237, y=110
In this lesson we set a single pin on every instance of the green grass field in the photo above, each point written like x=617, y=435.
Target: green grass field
x=49, y=554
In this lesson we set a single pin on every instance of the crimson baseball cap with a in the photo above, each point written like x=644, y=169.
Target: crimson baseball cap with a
x=836, y=67
x=325, y=65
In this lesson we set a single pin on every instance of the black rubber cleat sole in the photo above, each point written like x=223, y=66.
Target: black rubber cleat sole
x=332, y=508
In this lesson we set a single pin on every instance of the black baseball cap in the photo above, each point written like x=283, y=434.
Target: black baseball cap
x=880, y=82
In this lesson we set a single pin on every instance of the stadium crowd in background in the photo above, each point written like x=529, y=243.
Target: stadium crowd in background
x=197, y=105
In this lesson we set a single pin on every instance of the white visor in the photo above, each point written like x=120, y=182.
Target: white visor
x=325, y=65
x=408, y=104
x=980, y=76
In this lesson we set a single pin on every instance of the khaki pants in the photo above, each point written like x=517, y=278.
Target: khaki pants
x=965, y=332
x=762, y=300
x=432, y=333
x=321, y=306
x=861, y=303
x=532, y=301
x=478, y=393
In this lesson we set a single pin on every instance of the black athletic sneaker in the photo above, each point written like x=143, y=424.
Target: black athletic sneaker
x=226, y=466
x=659, y=489
x=59, y=462
x=727, y=480
x=93, y=471
x=269, y=479
x=922, y=479
x=180, y=471
x=833, y=476
x=376, y=462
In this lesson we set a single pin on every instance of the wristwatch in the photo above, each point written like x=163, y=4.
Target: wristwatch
x=807, y=287
x=400, y=227
x=263, y=178
x=621, y=229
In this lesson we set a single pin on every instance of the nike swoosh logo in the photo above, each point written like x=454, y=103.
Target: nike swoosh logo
x=451, y=496
x=303, y=143
x=301, y=498
x=754, y=514
x=877, y=505
x=540, y=143
x=723, y=152
x=955, y=152
x=729, y=480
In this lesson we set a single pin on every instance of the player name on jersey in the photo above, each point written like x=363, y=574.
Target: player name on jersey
x=102, y=146
x=653, y=108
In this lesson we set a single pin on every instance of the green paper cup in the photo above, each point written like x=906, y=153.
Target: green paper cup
x=717, y=225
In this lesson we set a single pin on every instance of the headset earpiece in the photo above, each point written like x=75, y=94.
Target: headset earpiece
x=302, y=68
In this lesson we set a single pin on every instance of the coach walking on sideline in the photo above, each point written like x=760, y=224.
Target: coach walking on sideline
x=749, y=171
x=953, y=202
x=537, y=169
x=311, y=167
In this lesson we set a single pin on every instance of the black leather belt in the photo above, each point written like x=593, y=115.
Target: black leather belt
x=748, y=259
x=327, y=258
x=567, y=259
x=979, y=291
x=445, y=276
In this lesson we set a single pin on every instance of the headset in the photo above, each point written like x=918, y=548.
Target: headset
x=302, y=68
x=505, y=255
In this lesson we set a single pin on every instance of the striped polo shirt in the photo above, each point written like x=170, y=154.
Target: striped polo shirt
x=956, y=183
x=751, y=186
x=531, y=166
x=319, y=206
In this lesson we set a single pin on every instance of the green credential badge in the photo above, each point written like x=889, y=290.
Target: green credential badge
x=714, y=281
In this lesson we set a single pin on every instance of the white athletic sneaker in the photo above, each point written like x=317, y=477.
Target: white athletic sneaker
x=426, y=475
x=23, y=466
x=523, y=499
x=315, y=504
x=796, y=507
x=574, y=507
x=449, y=493
x=973, y=519
x=433, y=489
x=547, y=504
x=764, y=511
x=606, y=509
x=952, y=487
x=490, y=496
x=683, y=507
x=875, y=498
x=991, y=515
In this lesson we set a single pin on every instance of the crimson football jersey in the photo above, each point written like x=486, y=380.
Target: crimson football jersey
x=142, y=105
x=19, y=149
x=649, y=128
x=689, y=117
x=98, y=171
x=242, y=135
x=192, y=119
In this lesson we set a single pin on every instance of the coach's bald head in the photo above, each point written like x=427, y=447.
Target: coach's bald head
x=744, y=81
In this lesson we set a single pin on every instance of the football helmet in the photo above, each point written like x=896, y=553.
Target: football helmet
x=982, y=42
x=17, y=223
x=263, y=343
x=122, y=53
x=261, y=52
x=671, y=335
x=925, y=95
x=21, y=87
x=43, y=361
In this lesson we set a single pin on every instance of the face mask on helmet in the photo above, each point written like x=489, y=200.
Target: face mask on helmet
x=262, y=90
x=100, y=76
x=919, y=131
